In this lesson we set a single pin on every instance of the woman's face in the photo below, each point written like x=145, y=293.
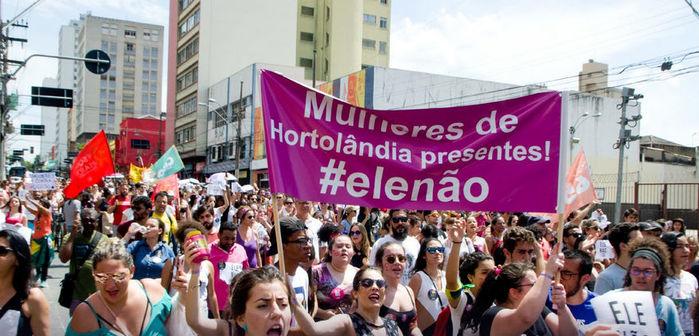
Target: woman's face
x=393, y=262
x=372, y=290
x=525, y=284
x=643, y=275
x=499, y=226
x=514, y=221
x=267, y=311
x=154, y=230
x=471, y=226
x=481, y=272
x=14, y=203
x=356, y=235
x=434, y=253
x=248, y=217
x=342, y=251
x=112, y=279
x=676, y=226
x=680, y=255
x=8, y=260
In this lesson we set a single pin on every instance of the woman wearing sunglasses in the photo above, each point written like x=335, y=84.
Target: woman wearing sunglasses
x=648, y=271
x=360, y=242
x=680, y=285
x=429, y=283
x=333, y=279
x=23, y=307
x=399, y=304
x=121, y=306
x=512, y=300
x=248, y=237
x=369, y=292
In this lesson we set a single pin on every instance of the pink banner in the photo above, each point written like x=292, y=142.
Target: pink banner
x=499, y=156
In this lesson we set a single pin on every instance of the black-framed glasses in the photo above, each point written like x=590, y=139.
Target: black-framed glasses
x=4, y=250
x=393, y=258
x=355, y=233
x=435, y=249
x=367, y=283
x=565, y=275
x=300, y=241
x=399, y=219
x=646, y=273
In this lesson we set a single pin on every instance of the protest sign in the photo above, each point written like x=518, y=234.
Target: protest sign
x=604, y=250
x=42, y=181
x=502, y=155
x=216, y=184
x=628, y=312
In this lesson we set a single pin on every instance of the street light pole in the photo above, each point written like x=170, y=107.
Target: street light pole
x=574, y=128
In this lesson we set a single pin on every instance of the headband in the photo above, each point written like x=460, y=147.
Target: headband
x=649, y=254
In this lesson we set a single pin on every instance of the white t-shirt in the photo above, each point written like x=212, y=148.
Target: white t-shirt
x=299, y=282
x=313, y=226
x=456, y=314
x=682, y=290
x=411, y=247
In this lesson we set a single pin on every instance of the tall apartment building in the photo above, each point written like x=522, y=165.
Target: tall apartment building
x=130, y=88
x=66, y=78
x=216, y=39
x=49, y=115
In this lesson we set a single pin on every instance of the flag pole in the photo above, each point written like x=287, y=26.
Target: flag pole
x=278, y=237
x=562, y=169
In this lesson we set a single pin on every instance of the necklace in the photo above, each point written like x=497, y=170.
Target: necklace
x=369, y=323
x=109, y=309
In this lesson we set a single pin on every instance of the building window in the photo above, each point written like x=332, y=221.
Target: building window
x=306, y=62
x=370, y=19
x=385, y=2
x=327, y=39
x=130, y=33
x=327, y=13
x=187, y=79
x=187, y=106
x=189, y=50
x=309, y=11
x=306, y=36
x=383, y=47
x=189, y=23
x=130, y=47
x=183, y=4
x=383, y=23
x=368, y=44
x=140, y=144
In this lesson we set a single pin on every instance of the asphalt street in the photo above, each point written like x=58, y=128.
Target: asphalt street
x=58, y=315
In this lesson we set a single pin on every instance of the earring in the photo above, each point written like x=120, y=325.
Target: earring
x=245, y=328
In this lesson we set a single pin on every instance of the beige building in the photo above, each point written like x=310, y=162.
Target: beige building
x=131, y=87
x=216, y=39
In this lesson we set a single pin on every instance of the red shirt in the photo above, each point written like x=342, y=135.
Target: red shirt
x=122, y=203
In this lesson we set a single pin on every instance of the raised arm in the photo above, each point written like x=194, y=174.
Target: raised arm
x=456, y=235
x=516, y=321
x=339, y=325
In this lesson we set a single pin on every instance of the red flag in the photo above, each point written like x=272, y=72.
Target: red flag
x=579, y=189
x=169, y=184
x=92, y=163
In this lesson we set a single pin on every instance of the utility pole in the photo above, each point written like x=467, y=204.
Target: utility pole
x=625, y=137
x=241, y=112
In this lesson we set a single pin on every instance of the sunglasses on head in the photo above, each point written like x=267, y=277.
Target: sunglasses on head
x=367, y=283
x=399, y=219
x=4, y=250
x=435, y=249
x=393, y=258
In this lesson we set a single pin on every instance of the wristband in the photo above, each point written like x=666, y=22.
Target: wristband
x=455, y=242
x=546, y=275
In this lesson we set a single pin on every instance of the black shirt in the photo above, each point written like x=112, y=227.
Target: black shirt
x=539, y=328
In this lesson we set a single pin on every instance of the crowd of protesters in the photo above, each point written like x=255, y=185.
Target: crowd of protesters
x=154, y=263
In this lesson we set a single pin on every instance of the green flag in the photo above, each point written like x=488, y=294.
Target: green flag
x=168, y=164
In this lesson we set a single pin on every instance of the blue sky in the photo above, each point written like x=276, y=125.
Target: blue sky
x=518, y=42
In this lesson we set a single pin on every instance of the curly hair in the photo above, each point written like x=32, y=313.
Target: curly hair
x=517, y=234
x=660, y=249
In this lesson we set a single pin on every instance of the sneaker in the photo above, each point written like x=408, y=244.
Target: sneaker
x=43, y=284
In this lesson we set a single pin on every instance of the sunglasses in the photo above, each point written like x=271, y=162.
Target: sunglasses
x=367, y=283
x=399, y=219
x=300, y=241
x=5, y=250
x=249, y=217
x=355, y=233
x=393, y=258
x=435, y=249
x=118, y=278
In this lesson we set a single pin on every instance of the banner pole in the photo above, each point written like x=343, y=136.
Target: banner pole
x=562, y=169
x=278, y=237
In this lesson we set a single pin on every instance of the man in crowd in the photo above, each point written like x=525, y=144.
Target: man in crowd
x=78, y=247
x=228, y=259
x=159, y=212
x=630, y=216
x=297, y=249
x=303, y=212
x=519, y=245
x=575, y=274
x=650, y=229
x=205, y=215
x=571, y=237
x=119, y=204
x=141, y=207
x=398, y=222
x=620, y=236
